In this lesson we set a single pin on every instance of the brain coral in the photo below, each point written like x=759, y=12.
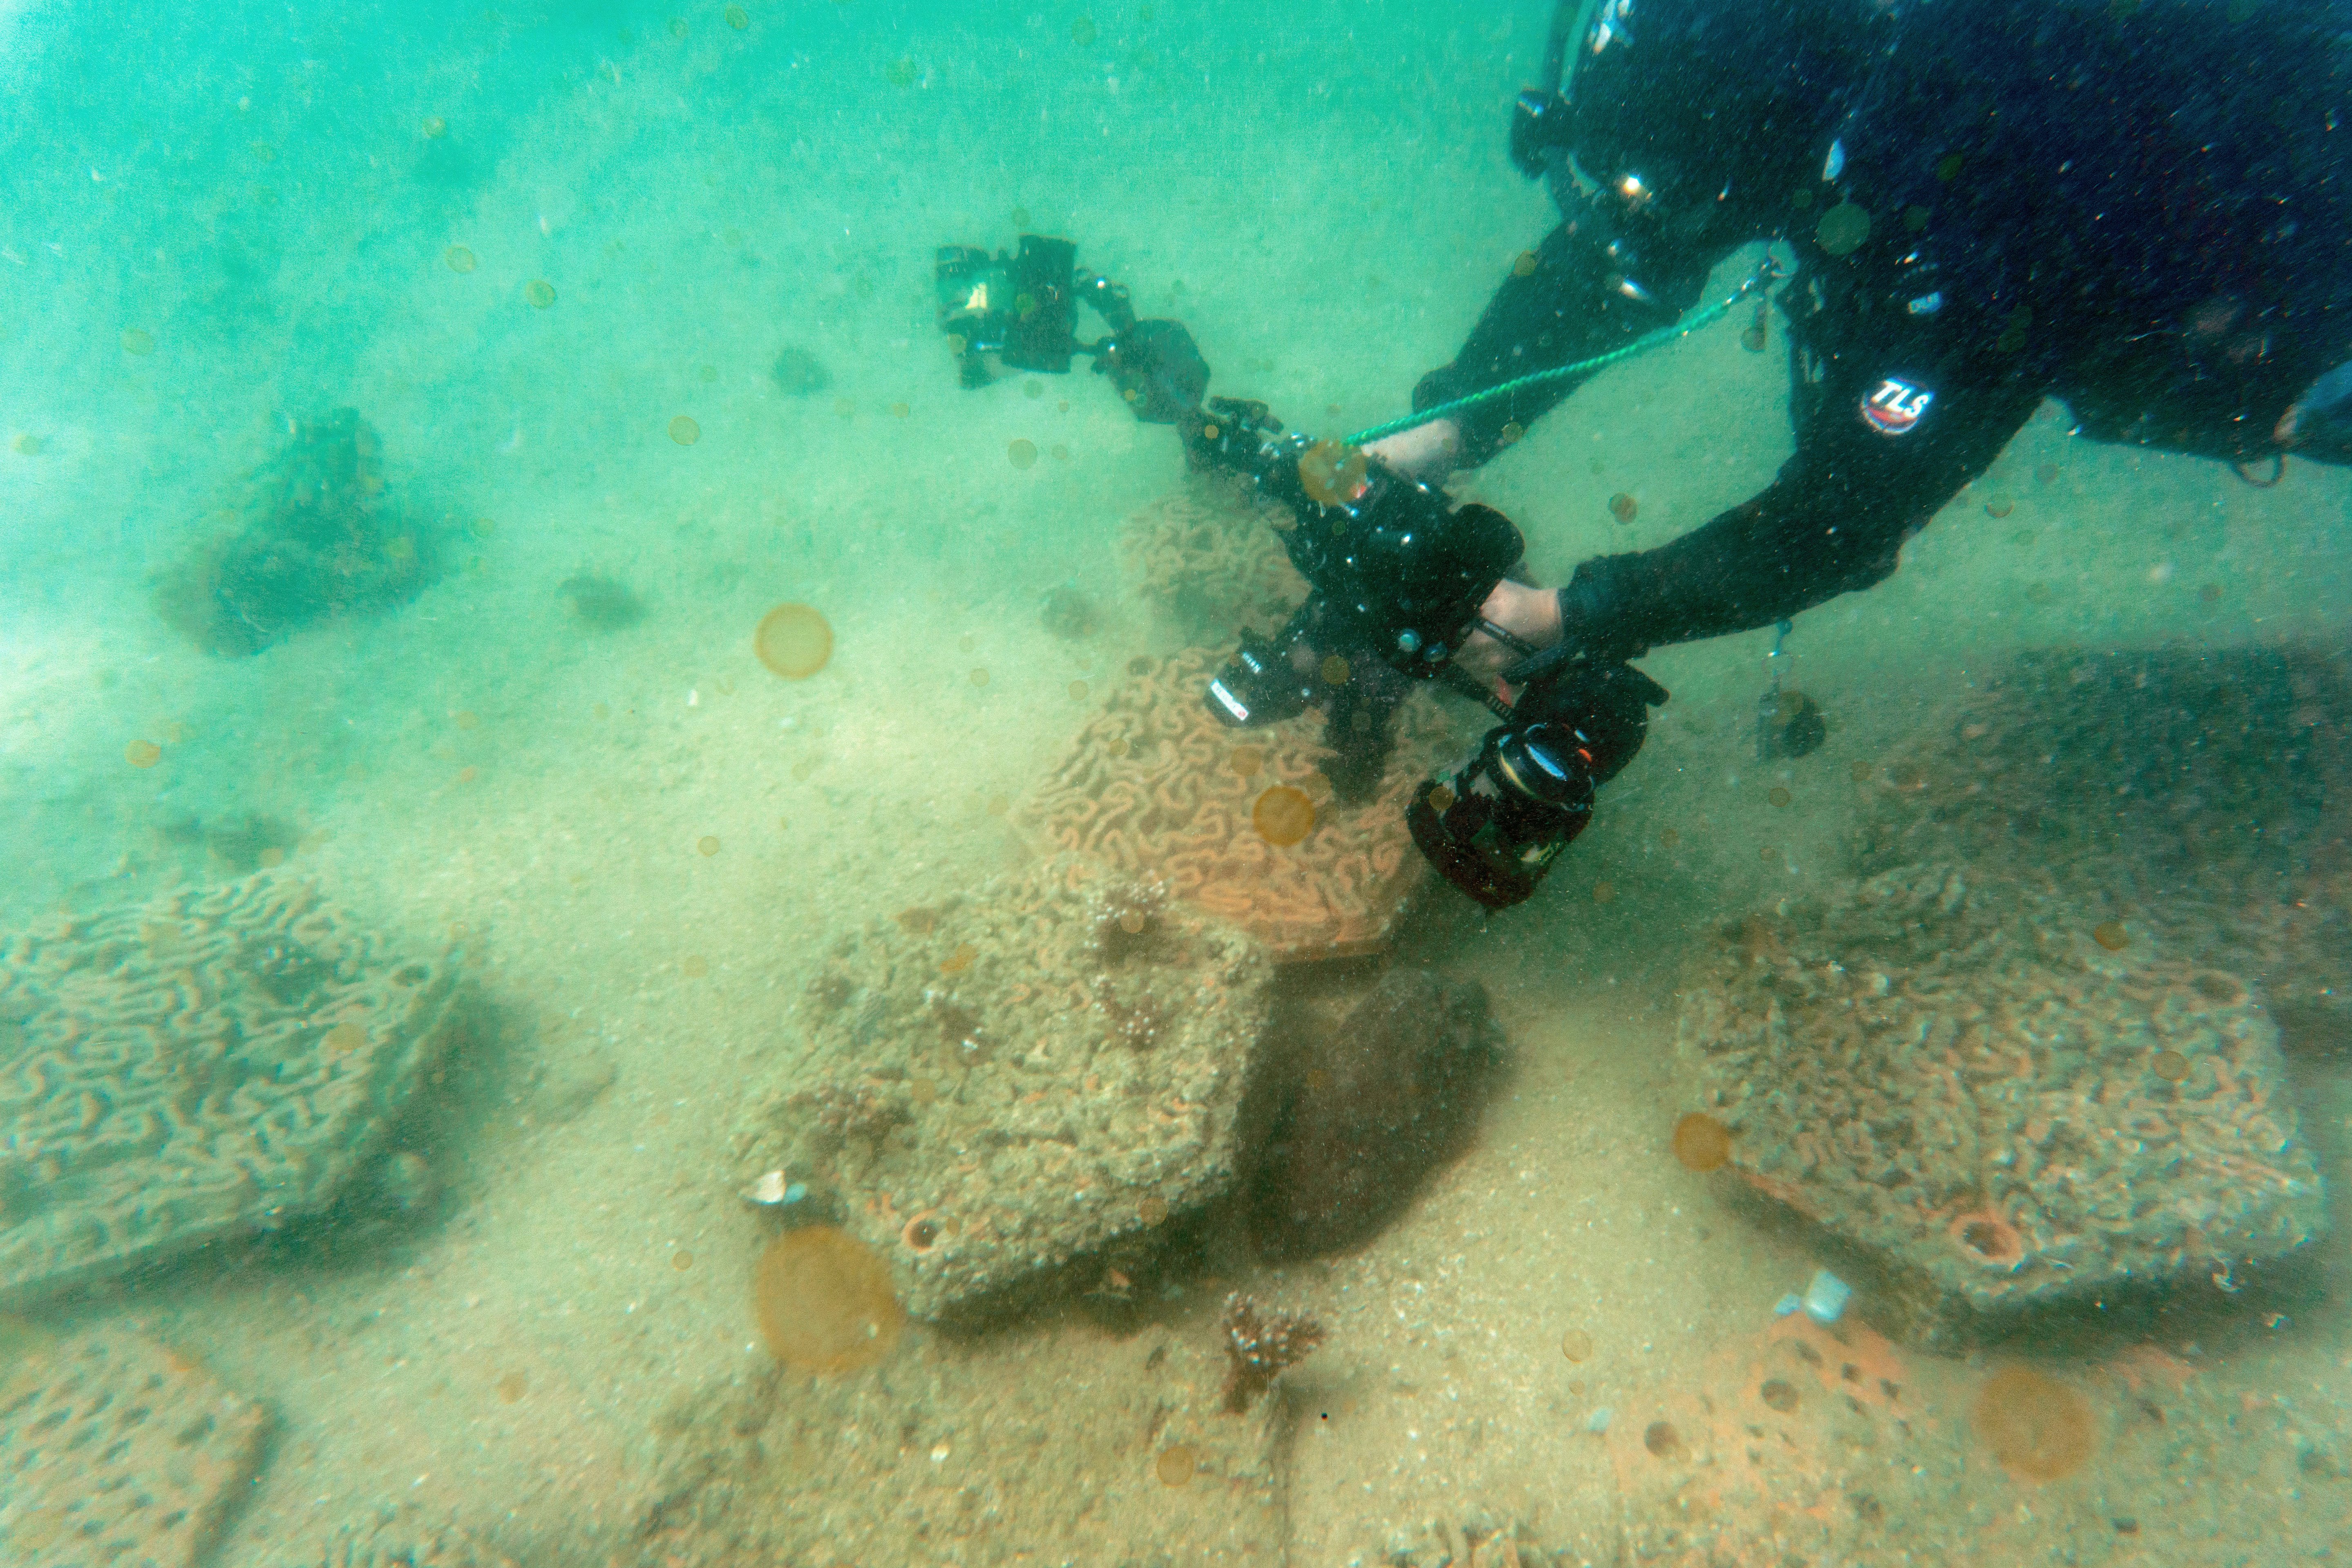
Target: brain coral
x=2186, y=791
x=1015, y=1075
x=1150, y=786
x=1206, y=556
x=1953, y=1075
x=113, y=1450
x=214, y=1063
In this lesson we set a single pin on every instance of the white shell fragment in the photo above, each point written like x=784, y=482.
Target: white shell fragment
x=769, y=1190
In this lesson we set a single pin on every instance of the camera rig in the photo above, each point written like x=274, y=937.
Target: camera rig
x=1396, y=573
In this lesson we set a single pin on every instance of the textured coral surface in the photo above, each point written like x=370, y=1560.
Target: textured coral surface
x=212, y=1063
x=114, y=1450
x=996, y=1083
x=1150, y=786
x=1207, y=556
x=2187, y=790
x=1954, y=1074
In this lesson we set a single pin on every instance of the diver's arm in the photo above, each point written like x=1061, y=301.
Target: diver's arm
x=1834, y=520
x=1587, y=293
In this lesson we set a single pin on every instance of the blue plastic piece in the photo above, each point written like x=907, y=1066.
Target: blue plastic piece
x=1826, y=1296
x=1788, y=1306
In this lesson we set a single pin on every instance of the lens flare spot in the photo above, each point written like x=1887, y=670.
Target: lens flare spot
x=2038, y=1428
x=2110, y=935
x=1283, y=816
x=1623, y=508
x=1332, y=473
x=1248, y=761
x=539, y=293
x=824, y=1302
x=458, y=258
x=685, y=431
x=1023, y=454
x=142, y=754
x=794, y=641
x=1701, y=1142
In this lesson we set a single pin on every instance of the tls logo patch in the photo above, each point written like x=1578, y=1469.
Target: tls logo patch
x=1896, y=406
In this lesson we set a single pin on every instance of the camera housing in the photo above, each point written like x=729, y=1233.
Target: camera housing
x=1397, y=577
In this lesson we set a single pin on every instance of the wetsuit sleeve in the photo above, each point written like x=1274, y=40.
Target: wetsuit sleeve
x=1572, y=304
x=1834, y=520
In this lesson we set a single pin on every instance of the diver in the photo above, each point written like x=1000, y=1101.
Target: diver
x=2139, y=207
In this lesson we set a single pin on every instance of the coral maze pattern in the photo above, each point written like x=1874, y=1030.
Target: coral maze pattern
x=1953, y=1074
x=2195, y=792
x=1149, y=786
x=212, y=1062
x=998, y=1083
x=1207, y=556
x=113, y=1450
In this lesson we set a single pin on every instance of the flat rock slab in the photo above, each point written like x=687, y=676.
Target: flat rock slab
x=1956, y=1075
x=2198, y=792
x=998, y=1082
x=211, y=1064
x=115, y=1450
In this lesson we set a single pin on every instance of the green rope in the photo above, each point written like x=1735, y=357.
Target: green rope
x=1707, y=317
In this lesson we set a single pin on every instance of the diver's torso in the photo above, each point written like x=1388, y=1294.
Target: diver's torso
x=2146, y=211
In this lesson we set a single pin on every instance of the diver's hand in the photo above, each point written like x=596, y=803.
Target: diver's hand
x=1531, y=615
x=1426, y=452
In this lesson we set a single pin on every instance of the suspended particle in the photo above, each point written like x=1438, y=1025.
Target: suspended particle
x=1623, y=508
x=737, y=18
x=539, y=293
x=1843, y=229
x=1023, y=454
x=685, y=431
x=2110, y=935
x=435, y=128
x=137, y=341
x=458, y=258
x=708, y=845
x=1525, y=266
x=1334, y=671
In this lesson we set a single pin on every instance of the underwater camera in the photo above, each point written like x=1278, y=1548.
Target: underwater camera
x=1396, y=576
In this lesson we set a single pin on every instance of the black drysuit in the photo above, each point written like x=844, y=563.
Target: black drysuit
x=2139, y=209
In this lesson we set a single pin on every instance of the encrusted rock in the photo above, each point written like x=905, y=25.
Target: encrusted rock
x=2196, y=791
x=211, y=1064
x=991, y=1085
x=116, y=1450
x=1955, y=1075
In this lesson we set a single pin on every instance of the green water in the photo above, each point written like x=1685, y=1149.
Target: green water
x=530, y=730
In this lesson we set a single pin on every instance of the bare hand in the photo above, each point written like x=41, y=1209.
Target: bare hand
x=1426, y=452
x=1531, y=615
